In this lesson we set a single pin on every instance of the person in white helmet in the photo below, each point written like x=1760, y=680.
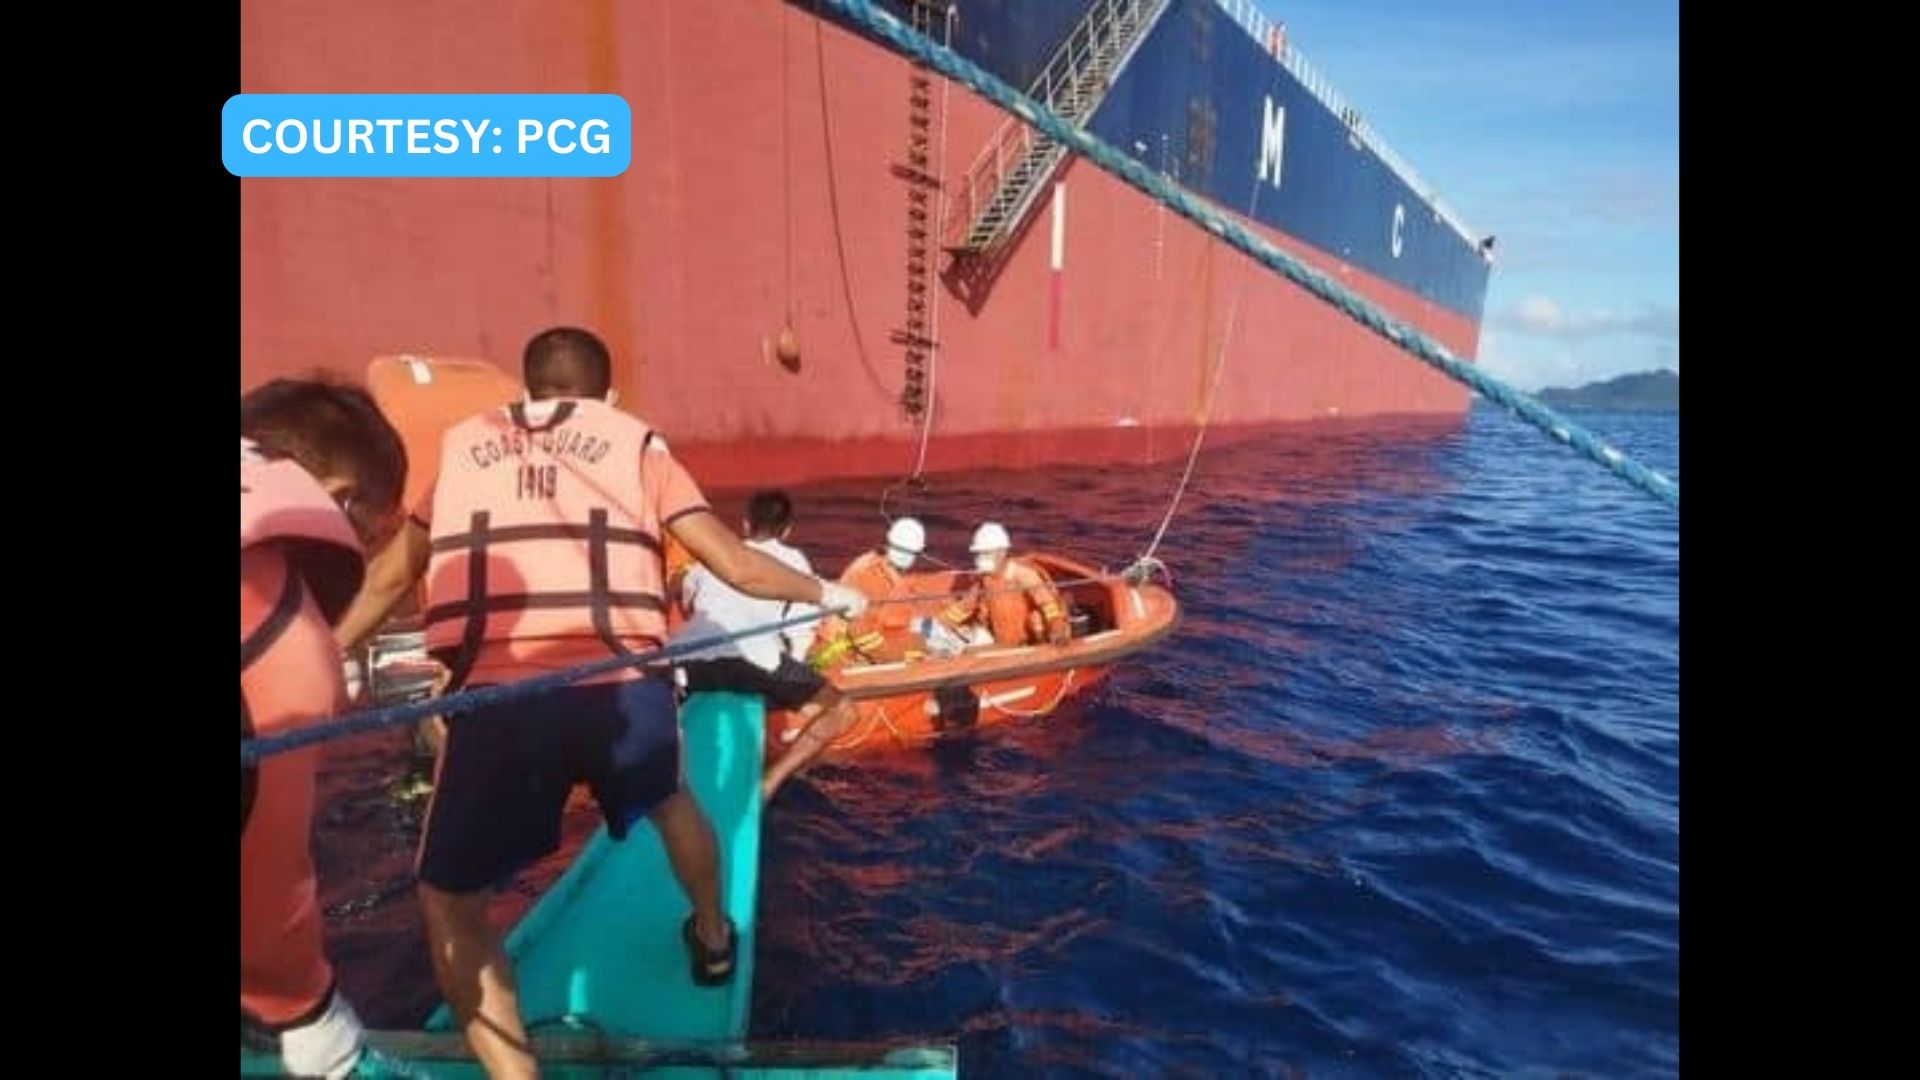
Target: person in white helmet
x=885, y=632
x=1012, y=598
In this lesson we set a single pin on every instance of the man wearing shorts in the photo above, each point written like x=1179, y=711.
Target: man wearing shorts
x=542, y=545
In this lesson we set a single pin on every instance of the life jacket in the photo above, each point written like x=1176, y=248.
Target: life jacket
x=881, y=624
x=300, y=565
x=1020, y=604
x=280, y=501
x=884, y=631
x=541, y=531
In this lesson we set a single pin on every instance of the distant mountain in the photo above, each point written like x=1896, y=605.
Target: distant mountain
x=1644, y=391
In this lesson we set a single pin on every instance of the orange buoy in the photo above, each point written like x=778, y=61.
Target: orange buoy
x=787, y=348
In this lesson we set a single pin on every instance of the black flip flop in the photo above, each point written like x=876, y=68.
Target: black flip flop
x=710, y=968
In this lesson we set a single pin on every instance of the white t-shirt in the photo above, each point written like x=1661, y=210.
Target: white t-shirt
x=714, y=607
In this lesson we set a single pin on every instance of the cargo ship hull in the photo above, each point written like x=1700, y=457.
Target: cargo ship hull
x=773, y=184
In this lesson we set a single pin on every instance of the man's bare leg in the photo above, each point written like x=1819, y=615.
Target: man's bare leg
x=694, y=855
x=833, y=717
x=477, y=981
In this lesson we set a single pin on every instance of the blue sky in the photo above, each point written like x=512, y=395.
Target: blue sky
x=1555, y=126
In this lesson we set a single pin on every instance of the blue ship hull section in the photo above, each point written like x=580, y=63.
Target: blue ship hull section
x=1193, y=102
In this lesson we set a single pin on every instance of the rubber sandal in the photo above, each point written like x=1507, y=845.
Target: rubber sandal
x=710, y=968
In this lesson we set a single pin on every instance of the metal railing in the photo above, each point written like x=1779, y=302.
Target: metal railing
x=1070, y=85
x=1266, y=33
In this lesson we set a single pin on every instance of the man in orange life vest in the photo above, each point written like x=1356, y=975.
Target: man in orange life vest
x=320, y=475
x=885, y=633
x=1013, y=598
x=542, y=547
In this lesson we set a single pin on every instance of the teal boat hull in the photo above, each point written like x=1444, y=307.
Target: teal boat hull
x=604, y=978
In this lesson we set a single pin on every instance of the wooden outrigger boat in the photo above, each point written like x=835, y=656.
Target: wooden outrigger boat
x=599, y=956
x=602, y=973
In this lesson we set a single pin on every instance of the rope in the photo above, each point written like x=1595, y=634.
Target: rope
x=902, y=39
x=1003, y=590
x=833, y=205
x=872, y=712
x=1213, y=390
x=1045, y=710
x=786, y=155
x=254, y=750
x=1200, y=433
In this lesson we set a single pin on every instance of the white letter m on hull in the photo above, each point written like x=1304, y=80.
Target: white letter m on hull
x=1273, y=132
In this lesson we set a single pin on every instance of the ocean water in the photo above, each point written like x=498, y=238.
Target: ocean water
x=1399, y=798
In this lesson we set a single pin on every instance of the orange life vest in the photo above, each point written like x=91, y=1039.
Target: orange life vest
x=882, y=623
x=541, y=531
x=300, y=564
x=885, y=630
x=280, y=501
x=1020, y=603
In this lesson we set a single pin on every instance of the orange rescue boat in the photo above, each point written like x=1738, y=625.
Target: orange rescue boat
x=911, y=704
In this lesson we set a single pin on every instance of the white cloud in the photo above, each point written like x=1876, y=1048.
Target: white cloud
x=1540, y=316
x=1527, y=365
x=1532, y=363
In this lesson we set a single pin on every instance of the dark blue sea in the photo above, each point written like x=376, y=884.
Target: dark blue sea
x=1399, y=798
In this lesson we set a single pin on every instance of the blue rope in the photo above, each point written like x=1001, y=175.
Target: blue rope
x=906, y=41
x=253, y=750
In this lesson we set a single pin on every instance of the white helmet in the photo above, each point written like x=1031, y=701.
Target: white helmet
x=991, y=536
x=907, y=534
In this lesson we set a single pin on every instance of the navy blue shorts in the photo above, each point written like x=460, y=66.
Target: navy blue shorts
x=506, y=772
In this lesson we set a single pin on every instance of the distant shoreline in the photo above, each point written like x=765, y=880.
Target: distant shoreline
x=1645, y=391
